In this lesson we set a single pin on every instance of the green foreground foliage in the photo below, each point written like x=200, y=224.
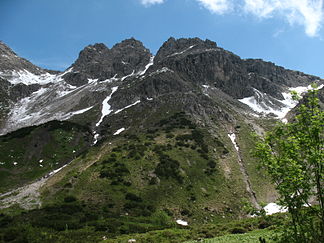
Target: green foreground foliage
x=72, y=222
x=251, y=237
x=293, y=155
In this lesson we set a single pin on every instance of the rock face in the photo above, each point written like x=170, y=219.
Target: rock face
x=191, y=73
x=18, y=76
x=10, y=61
x=203, y=62
x=99, y=62
x=267, y=77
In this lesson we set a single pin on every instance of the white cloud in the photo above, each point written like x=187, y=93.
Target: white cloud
x=151, y=2
x=261, y=8
x=308, y=13
x=217, y=6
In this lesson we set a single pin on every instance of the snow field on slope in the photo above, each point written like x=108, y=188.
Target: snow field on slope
x=258, y=102
x=105, y=111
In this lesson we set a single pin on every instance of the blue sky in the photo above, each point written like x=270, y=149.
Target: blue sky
x=51, y=33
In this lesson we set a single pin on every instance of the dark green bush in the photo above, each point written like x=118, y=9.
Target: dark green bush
x=238, y=230
x=168, y=167
x=69, y=199
x=211, y=164
x=132, y=197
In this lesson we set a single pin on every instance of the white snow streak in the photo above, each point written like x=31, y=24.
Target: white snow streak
x=232, y=136
x=162, y=70
x=81, y=111
x=90, y=80
x=126, y=107
x=106, y=107
x=179, y=53
x=95, y=138
x=140, y=73
x=151, y=62
x=119, y=131
x=127, y=76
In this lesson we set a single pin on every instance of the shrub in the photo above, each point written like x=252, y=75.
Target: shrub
x=132, y=197
x=168, y=168
x=69, y=199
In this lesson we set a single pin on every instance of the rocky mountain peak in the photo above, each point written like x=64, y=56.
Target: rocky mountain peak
x=99, y=62
x=129, y=43
x=9, y=61
x=178, y=46
x=5, y=50
x=91, y=54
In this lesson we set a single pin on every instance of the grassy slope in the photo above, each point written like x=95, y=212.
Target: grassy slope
x=261, y=183
x=251, y=237
x=29, y=153
x=166, y=168
x=140, y=181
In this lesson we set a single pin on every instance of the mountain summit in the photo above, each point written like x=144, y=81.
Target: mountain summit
x=99, y=62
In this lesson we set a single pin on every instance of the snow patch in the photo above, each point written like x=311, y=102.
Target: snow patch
x=127, y=76
x=147, y=66
x=232, y=136
x=57, y=170
x=26, y=77
x=80, y=111
x=273, y=208
x=261, y=103
x=110, y=79
x=56, y=102
x=148, y=98
x=95, y=138
x=179, y=53
x=162, y=70
x=206, y=86
x=182, y=222
x=106, y=107
x=90, y=80
x=15, y=163
x=67, y=71
x=119, y=131
x=126, y=107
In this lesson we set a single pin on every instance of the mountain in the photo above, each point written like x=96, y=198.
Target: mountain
x=143, y=135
